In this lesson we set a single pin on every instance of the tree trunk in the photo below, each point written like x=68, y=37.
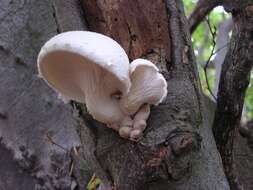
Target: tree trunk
x=170, y=155
x=30, y=113
x=235, y=77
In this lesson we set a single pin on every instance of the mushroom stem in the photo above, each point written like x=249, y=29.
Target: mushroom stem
x=139, y=122
x=103, y=109
x=100, y=104
x=126, y=122
x=126, y=127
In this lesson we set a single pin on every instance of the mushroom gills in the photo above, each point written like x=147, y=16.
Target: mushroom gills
x=74, y=76
x=148, y=86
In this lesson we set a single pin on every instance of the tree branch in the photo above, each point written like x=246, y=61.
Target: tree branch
x=202, y=9
x=213, y=34
x=234, y=81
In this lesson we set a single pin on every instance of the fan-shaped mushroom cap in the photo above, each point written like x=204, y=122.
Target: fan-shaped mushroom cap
x=148, y=86
x=87, y=67
x=84, y=49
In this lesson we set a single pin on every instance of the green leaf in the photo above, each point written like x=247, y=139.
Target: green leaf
x=93, y=183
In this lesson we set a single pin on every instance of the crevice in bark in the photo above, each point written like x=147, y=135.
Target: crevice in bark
x=17, y=59
x=183, y=58
x=130, y=38
x=56, y=19
x=23, y=178
x=87, y=132
x=69, y=15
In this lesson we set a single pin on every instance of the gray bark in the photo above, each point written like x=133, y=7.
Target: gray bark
x=29, y=108
x=243, y=153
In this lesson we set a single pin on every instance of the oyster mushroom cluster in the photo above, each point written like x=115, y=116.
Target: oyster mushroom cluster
x=92, y=68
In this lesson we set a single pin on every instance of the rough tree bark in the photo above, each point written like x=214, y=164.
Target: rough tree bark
x=243, y=153
x=169, y=156
x=246, y=131
x=234, y=81
x=29, y=110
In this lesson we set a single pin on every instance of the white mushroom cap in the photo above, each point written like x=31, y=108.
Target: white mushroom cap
x=148, y=86
x=87, y=47
x=87, y=67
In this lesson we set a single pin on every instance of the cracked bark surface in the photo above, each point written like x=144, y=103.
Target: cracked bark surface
x=125, y=21
x=243, y=157
x=235, y=76
x=29, y=109
x=170, y=155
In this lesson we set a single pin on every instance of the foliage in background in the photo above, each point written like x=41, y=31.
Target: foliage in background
x=202, y=44
x=249, y=99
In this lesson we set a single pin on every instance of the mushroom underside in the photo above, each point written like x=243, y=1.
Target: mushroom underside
x=82, y=80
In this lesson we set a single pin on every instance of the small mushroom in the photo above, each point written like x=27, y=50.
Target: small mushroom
x=148, y=87
x=89, y=68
